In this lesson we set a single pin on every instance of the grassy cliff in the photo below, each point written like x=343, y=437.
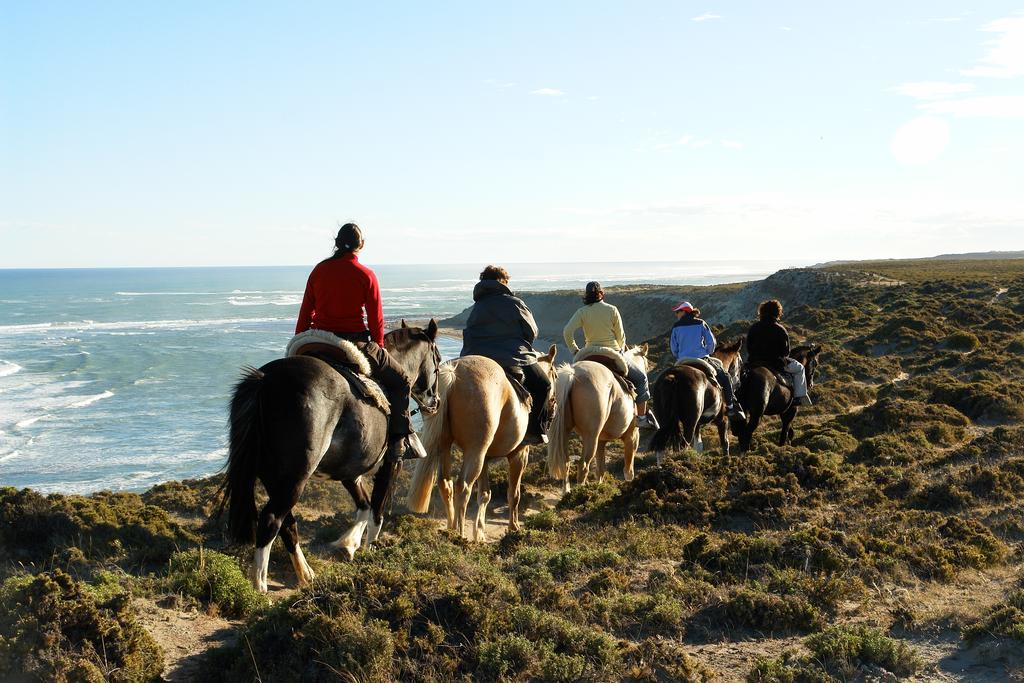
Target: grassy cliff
x=886, y=542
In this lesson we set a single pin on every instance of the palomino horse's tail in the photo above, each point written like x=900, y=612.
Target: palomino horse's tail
x=425, y=476
x=558, y=432
x=668, y=406
x=239, y=494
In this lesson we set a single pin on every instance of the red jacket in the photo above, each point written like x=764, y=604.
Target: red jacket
x=337, y=293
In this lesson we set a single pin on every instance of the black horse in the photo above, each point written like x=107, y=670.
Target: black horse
x=762, y=394
x=298, y=416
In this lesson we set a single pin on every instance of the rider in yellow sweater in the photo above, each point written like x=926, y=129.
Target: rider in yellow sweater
x=602, y=327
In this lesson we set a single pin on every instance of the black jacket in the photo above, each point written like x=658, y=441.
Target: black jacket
x=500, y=326
x=767, y=343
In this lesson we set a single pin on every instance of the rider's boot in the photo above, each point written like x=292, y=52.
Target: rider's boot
x=736, y=410
x=647, y=420
x=802, y=401
x=405, y=447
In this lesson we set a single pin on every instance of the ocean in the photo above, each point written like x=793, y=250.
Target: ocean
x=119, y=379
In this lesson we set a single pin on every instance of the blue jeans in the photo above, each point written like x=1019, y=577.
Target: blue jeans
x=638, y=377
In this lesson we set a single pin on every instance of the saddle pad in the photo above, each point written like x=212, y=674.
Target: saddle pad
x=346, y=358
x=704, y=366
x=609, y=358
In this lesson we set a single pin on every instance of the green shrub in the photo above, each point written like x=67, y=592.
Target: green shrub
x=53, y=628
x=845, y=648
x=962, y=340
x=215, y=580
x=103, y=526
x=771, y=613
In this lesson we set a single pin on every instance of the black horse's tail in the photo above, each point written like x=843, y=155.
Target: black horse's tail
x=667, y=405
x=239, y=494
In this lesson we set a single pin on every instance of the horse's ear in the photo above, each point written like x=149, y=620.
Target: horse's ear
x=815, y=350
x=739, y=344
x=552, y=352
x=432, y=330
x=644, y=348
x=403, y=324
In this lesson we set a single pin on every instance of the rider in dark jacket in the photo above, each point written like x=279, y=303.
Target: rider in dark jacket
x=768, y=346
x=501, y=327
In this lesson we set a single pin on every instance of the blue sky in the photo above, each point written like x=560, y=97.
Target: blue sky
x=188, y=134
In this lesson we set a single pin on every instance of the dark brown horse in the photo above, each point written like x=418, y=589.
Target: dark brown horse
x=686, y=400
x=762, y=394
x=298, y=417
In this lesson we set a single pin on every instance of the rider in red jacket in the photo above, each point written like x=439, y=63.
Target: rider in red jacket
x=339, y=293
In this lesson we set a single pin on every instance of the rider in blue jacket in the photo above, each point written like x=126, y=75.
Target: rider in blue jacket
x=693, y=339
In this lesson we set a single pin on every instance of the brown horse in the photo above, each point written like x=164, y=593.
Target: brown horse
x=686, y=400
x=762, y=394
x=480, y=412
x=592, y=403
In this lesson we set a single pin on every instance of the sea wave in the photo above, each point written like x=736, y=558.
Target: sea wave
x=89, y=400
x=7, y=368
x=28, y=422
x=264, y=301
x=93, y=326
x=9, y=456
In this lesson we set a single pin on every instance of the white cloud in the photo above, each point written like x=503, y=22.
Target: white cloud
x=732, y=144
x=1005, y=56
x=920, y=141
x=991, y=107
x=931, y=90
x=786, y=28
x=946, y=20
x=547, y=92
x=707, y=16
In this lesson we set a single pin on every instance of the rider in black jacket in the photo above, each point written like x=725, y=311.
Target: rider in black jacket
x=502, y=328
x=768, y=346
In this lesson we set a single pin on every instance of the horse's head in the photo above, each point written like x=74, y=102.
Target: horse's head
x=638, y=354
x=808, y=356
x=547, y=364
x=729, y=354
x=416, y=350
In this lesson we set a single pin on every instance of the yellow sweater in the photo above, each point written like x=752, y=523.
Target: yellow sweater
x=602, y=326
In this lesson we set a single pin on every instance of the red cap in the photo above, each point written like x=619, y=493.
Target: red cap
x=683, y=306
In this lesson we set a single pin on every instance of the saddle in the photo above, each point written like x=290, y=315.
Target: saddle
x=704, y=366
x=781, y=376
x=346, y=359
x=611, y=360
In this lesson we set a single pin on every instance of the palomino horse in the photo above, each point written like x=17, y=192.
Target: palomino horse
x=591, y=401
x=481, y=413
x=686, y=400
x=762, y=394
x=298, y=416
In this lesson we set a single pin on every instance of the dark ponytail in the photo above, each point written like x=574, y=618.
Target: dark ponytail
x=348, y=241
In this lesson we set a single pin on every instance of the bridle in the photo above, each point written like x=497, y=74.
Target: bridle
x=417, y=396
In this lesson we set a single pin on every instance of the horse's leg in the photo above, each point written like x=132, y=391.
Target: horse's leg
x=444, y=484
x=786, y=435
x=516, y=466
x=290, y=535
x=268, y=524
x=590, y=445
x=472, y=466
x=601, y=446
x=723, y=432
x=350, y=540
x=691, y=423
x=483, y=499
x=628, y=452
x=383, y=485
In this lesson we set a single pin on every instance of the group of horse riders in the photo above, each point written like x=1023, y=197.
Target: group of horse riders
x=342, y=296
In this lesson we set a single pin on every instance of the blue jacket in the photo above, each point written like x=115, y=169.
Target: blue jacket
x=691, y=338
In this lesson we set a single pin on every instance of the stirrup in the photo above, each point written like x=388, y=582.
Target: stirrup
x=647, y=421
x=408, y=447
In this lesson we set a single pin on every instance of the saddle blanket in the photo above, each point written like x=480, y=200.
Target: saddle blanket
x=346, y=358
x=709, y=366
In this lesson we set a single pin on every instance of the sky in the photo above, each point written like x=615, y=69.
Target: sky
x=156, y=134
